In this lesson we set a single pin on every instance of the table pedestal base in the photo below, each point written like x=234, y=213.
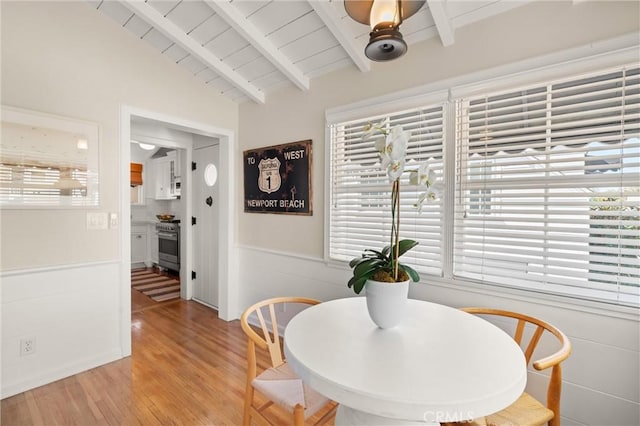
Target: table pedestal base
x=346, y=416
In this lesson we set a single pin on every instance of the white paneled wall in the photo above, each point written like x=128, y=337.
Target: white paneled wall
x=601, y=385
x=36, y=305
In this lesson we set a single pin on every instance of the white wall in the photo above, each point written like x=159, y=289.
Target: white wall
x=286, y=252
x=61, y=283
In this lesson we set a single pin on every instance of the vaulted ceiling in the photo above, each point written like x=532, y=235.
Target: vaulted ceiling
x=248, y=49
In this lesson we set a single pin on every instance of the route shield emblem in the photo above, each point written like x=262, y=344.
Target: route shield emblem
x=269, y=179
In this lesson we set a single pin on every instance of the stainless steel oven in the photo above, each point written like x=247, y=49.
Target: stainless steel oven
x=169, y=245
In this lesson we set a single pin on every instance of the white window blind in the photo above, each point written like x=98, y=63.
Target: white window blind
x=41, y=186
x=360, y=212
x=547, y=190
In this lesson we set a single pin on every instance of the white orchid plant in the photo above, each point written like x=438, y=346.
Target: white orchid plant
x=383, y=265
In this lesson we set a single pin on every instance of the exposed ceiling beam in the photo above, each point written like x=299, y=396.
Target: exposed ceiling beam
x=443, y=23
x=246, y=29
x=328, y=14
x=178, y=36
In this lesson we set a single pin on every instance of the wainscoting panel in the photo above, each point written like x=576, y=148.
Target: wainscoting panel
x=71, y=312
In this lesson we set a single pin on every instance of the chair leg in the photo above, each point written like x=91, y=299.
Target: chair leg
x=298, y=415
x=329, y=415
x=248, y=401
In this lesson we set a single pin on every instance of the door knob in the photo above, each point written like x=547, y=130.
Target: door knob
x=209, y=201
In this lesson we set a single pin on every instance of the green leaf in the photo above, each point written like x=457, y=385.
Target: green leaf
x=366, y=267
x=359, y=260
x=355, y=261
x=379, y=255
x=352, y=281
x=412, y=272
x=404, y=246
x=358, y=285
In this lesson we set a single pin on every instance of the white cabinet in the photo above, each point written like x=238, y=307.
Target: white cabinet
x=138, y=244
x=153, y=244
x=177, y=158
x=167, y=177
x=162, y=169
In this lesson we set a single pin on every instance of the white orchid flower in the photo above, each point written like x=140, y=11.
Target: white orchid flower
x=392, y=150
x=371, y=129
x=381, y=146
x=425, y=177
x=396, y=143
x=395, y=169
x=420, y=202
x=431, y=194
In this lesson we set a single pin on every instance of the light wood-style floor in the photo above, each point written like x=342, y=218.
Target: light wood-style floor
x=187, y=368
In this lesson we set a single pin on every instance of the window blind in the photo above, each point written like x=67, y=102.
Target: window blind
x=547, y=190
x=41, y=186
x=360, y=195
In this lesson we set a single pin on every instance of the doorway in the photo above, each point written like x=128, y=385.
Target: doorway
x=227, y=255
x=205, y=230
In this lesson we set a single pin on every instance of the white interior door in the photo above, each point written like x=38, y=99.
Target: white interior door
x=205, y=231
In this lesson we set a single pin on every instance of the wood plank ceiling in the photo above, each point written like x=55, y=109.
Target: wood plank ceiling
x=248, y=49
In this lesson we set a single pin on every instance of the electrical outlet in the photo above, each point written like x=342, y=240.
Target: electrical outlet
x=27, y=346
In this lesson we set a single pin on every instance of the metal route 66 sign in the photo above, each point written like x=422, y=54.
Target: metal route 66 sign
x=277, y=179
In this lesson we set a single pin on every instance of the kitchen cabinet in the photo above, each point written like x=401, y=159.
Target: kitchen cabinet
x=167, y=177
x=153, y=244
x=139, y=244
x=162, y=170
x=176, y=164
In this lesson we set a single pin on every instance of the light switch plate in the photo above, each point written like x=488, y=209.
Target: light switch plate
x=96, y=221
x=113, y=221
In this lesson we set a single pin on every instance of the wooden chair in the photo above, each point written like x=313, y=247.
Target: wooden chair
x=278, y=383
x=527, y=410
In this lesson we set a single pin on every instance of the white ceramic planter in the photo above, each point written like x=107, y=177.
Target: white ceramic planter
x=386, y=302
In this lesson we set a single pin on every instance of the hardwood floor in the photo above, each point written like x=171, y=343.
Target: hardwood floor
x=141, y=302
x=187, y=368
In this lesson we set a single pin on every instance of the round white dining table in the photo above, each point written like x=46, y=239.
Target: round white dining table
x=440, y=364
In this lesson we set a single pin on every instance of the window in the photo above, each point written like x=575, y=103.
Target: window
x=558, y=167
x=360, y=201
x=546, y=194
